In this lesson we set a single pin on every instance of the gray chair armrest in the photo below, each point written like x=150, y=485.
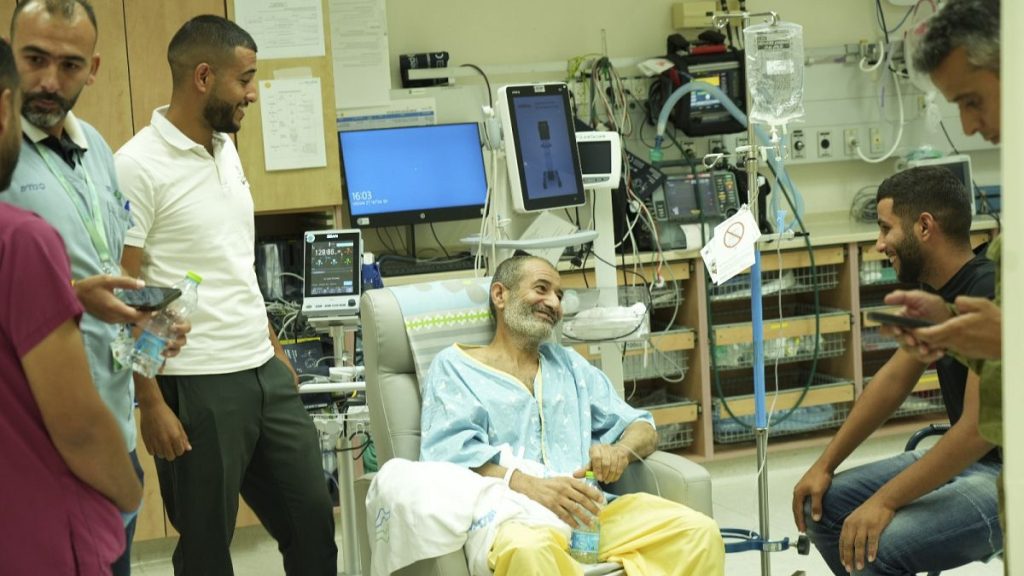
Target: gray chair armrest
x=672, y=477
x=362, y=488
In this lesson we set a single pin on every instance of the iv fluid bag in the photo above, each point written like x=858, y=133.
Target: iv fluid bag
x=775, y=72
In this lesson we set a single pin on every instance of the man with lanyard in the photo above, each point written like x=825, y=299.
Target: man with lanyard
x=66, y=175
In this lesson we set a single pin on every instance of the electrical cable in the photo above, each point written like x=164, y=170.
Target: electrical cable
x=864, y=207
x=489, y=216
x=438, y=240
x=880, y=17
x=657, y=256
x=724, y=5
x=899, y=132
x=986, y=208
x=490, y=95
x=380, y=238
x=878, y=63
x=904, y=19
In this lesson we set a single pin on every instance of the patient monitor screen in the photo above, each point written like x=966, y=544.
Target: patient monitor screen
x=332, y=260
x=595, y=157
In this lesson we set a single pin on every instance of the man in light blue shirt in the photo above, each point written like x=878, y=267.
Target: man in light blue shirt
x=539, y=415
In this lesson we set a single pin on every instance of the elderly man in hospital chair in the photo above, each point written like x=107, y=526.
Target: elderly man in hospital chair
x=523, y=419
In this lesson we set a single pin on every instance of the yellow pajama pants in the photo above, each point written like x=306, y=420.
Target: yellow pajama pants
x=650, y=536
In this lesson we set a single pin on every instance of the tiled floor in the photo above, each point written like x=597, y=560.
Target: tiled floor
x=735, y=500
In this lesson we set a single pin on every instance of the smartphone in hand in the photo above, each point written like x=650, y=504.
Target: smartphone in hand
x=148, y=298
x=897, y=320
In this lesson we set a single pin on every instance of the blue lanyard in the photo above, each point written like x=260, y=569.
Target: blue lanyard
x=93, y=221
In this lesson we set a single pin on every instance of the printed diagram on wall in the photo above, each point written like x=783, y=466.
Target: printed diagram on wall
x=293, y=124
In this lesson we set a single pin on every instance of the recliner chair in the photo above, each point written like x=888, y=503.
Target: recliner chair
x=393, y=397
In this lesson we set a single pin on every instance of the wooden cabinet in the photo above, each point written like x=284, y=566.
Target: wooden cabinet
x=304, y=190
x=106, y=103
x=148, y=28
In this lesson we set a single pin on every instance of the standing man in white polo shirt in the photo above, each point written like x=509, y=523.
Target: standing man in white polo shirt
x=225, y=417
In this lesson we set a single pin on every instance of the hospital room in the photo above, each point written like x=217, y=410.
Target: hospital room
x=672, y=287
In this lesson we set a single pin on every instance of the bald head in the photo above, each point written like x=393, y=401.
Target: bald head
x=510, y=271
x=68, y=10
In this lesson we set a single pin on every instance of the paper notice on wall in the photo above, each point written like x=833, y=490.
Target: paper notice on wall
x=731, y=249
x=359, y=47
x=293, y=124
x=283, y=28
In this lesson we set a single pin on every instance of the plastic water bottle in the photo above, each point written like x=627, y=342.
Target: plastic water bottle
x=586, y=540
x=148, y=355
x=371, y=273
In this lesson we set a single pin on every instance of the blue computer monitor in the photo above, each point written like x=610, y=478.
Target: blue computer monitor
x=413, y=175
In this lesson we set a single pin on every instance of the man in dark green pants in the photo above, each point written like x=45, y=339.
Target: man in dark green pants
x=225, y=418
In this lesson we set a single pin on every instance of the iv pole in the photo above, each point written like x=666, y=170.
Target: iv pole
x=765, y=545
x=744, y=540
x=757, y=317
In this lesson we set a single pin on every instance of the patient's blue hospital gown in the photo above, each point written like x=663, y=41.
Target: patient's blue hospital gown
x=470, y=409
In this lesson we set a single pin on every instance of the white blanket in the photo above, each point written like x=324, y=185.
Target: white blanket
x=419, y=510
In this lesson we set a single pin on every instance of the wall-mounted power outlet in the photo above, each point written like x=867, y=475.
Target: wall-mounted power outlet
x=851, y=139
x=824, y=144
x=875, y=140
x=798, y=145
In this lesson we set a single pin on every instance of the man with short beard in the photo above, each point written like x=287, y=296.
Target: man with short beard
x=548, y=404
x=932, y=509
x=225, y=418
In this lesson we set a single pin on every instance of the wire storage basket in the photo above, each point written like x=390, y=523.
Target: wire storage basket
x=793, y=348
x=790, y=349
x=672, y=436
x=656, y=364
x=738, y=391
x=877, y=273
x=789, y=281
x=675, y=436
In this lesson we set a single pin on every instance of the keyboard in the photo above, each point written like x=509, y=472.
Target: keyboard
x=402, y=266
